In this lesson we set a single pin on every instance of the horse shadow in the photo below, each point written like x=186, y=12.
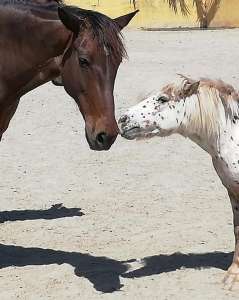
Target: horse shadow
x=104, y=272
x=56, y=211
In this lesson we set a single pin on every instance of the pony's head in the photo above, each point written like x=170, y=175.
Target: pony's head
x=196, y=109
x=160, y=114
x=89, y=69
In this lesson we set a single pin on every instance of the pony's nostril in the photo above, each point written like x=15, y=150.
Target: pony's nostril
x=124, y=119
x=101, y=138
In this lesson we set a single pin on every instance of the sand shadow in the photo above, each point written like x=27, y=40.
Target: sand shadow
x=168, y=263
x=55, y=212
x=103, y=272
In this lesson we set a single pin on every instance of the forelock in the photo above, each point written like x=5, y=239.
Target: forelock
x=105, y=30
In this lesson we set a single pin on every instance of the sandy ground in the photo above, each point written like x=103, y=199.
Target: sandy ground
x=146, y=220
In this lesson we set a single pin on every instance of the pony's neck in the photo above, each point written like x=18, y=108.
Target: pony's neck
x=203, y=122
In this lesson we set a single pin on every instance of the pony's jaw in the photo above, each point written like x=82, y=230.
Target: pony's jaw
x=138, y=133
x=131, y=129
x=131, y=133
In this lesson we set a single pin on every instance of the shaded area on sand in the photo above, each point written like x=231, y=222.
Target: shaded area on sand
x=103, y=272
x=158, y=264
x=55, y=212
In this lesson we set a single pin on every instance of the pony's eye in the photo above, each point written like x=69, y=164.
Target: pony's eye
x=84, y=63
x=162, y=99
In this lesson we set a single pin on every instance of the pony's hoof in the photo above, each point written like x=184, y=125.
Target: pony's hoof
x=231, y=279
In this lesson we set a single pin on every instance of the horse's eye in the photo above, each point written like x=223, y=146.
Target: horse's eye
x=84, y=63
x=162, y=99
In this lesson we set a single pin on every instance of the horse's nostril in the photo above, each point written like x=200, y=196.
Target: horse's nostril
x=101, y=138
x=124, y=119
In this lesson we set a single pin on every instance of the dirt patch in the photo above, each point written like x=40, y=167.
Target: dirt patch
x=146, y=220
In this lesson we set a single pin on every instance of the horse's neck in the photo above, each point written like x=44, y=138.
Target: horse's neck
x=42, y=7
x=26, y=43
x=27, y=33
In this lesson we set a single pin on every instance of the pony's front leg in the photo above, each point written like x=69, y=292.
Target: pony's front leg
x=232, y=276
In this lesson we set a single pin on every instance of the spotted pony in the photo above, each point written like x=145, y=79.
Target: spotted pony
x=207, y=112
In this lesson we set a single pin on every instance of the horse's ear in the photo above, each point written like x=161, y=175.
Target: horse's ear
x=124, y=20
x=190, y=87
x=69, y=20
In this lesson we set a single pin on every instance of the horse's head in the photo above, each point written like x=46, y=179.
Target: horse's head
x=160, y=114
x=89, y=69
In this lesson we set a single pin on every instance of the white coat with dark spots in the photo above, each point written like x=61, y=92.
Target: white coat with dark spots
x=207, y=112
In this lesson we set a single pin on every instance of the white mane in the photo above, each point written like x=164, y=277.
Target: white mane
x=212, y=106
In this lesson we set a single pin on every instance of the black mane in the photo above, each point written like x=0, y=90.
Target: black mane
x=104, y=29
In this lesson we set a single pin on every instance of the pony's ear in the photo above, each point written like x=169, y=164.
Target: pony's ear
x=124, y=20
x=190, y=87
x=69, y=20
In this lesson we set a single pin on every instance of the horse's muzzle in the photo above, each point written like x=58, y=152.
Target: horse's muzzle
x=102, y=141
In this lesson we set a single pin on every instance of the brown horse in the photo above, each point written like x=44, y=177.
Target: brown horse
x=40, y=40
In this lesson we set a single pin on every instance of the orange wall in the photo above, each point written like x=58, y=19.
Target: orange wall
x=228, y=14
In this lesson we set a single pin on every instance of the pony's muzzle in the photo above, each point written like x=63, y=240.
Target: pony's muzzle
x=123, y=122
x=128, y=129
x=123, y=119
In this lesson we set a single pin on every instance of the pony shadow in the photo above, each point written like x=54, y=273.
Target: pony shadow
x=103, y=272
x=168, y=263
x=55, y=212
